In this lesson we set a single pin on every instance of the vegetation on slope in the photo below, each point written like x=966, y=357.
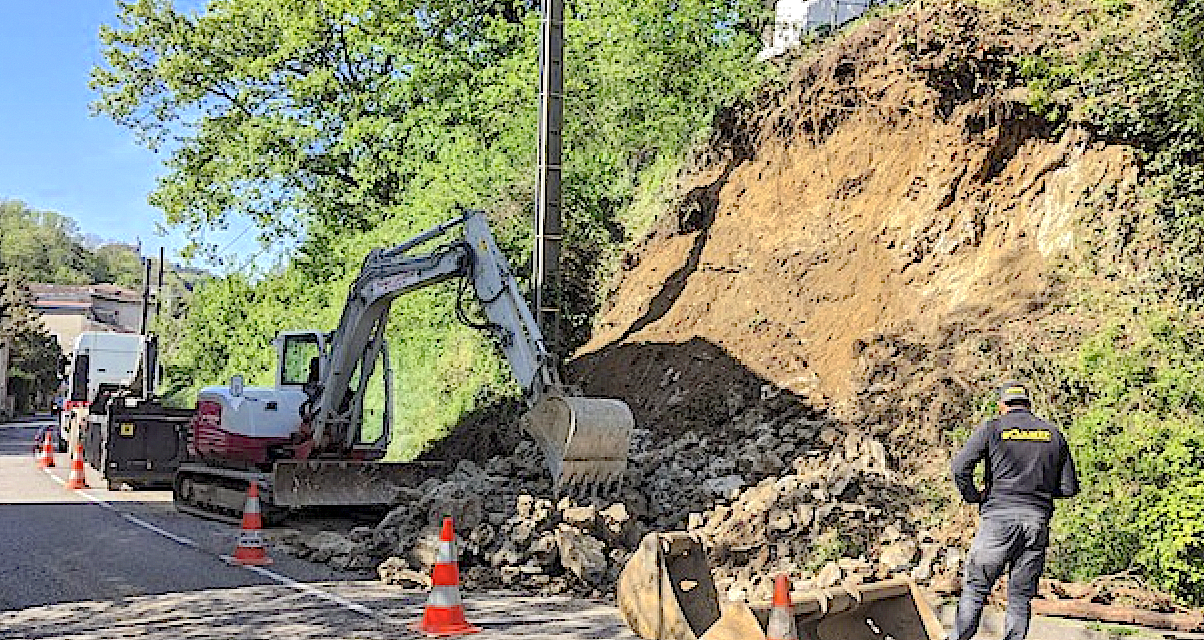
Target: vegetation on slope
x=1131, y=392
x=357, y=124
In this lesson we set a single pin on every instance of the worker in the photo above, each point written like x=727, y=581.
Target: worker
x=1028, y=465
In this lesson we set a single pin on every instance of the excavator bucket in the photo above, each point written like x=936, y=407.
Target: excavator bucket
x=666, y=593
x=584, y=440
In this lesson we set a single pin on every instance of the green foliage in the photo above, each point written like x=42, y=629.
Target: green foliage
x=1140, y=80
x=1139, y=446
x=356, y=124
x=44, y=246
x=34, y=356
x=1046, y=75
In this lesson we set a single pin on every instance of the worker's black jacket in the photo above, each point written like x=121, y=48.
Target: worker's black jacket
x=1028, y=465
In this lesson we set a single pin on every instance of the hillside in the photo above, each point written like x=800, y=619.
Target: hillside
x=906, y=222
x=867, y=198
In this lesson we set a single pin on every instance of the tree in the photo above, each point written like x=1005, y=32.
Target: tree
x=35, y=353
x=329, y=116
x=294, y=113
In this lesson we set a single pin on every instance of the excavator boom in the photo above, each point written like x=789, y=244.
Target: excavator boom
x=585, y=440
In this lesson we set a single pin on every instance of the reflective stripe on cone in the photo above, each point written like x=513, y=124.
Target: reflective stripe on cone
x=77, y=479
x=46, y=456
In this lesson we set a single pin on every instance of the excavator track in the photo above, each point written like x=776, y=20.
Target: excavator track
x=220, y=494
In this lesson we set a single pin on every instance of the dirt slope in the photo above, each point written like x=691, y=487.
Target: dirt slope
x=896, y=184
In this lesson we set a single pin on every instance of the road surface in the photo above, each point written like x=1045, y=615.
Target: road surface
x=101, y=564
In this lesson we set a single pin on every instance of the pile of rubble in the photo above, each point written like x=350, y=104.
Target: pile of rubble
x=775, y=492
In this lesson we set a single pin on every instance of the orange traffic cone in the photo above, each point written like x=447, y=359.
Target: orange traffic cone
x=46, y=457
x=781, y=617
x=77, y=479
x=444, y=613
x=251, y=548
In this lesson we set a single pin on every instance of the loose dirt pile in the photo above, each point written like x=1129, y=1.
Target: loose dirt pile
x=783, y=490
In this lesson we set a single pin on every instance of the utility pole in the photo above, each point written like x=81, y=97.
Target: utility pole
x=159, y=287
x=548, y=229
x=146, y=283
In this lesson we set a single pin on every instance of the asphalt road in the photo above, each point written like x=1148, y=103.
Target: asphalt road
x=101, y=564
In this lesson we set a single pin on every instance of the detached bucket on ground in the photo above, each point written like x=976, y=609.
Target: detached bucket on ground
x=666, y=592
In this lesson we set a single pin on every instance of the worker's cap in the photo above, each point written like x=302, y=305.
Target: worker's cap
x=1013, y=391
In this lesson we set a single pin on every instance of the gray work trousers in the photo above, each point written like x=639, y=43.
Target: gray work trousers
x=1015, y=540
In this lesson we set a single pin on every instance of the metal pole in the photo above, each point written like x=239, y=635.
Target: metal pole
x=145, y=297
x=159, y=286
x=548, y=229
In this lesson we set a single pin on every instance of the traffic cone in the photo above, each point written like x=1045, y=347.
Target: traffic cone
x=781, y=617
x=444, y=613
x=251, y=548
x=46, y=457
x=77, y=479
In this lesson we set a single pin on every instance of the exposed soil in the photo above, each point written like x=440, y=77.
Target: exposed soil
x=897, y=185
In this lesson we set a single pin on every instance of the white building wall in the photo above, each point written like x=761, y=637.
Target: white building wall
x=795, y=18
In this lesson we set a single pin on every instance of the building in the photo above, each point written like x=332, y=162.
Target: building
x=794, y=19
x=69, y=310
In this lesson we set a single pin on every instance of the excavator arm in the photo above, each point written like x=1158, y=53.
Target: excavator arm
x=357, y=342
x=585, y=440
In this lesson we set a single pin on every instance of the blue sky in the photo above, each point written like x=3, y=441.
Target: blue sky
x=53, y=155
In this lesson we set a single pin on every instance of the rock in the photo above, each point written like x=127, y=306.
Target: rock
x=739, y=591
x=780, y=520
x=615, y=514
x=581, y=554
x=395, y=571
x=352, y=562
x=803, y=514
x=829, y=576
x=953, y=559
x=544, y=551
x=508, y=555
x=726, y=487
x=522, y=531
x=898, y=556
x=423, y=549
x=580, y=516
x=946, y=585
x=328, y=544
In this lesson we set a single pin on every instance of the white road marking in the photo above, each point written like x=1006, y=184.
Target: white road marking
x=163, y=532
x=271, y=575
x=314, y=591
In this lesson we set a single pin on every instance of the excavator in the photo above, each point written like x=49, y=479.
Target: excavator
x=306, y=442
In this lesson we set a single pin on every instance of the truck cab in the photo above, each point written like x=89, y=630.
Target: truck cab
x=97, y=358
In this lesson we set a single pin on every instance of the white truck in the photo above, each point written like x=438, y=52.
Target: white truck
x=97, y=358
